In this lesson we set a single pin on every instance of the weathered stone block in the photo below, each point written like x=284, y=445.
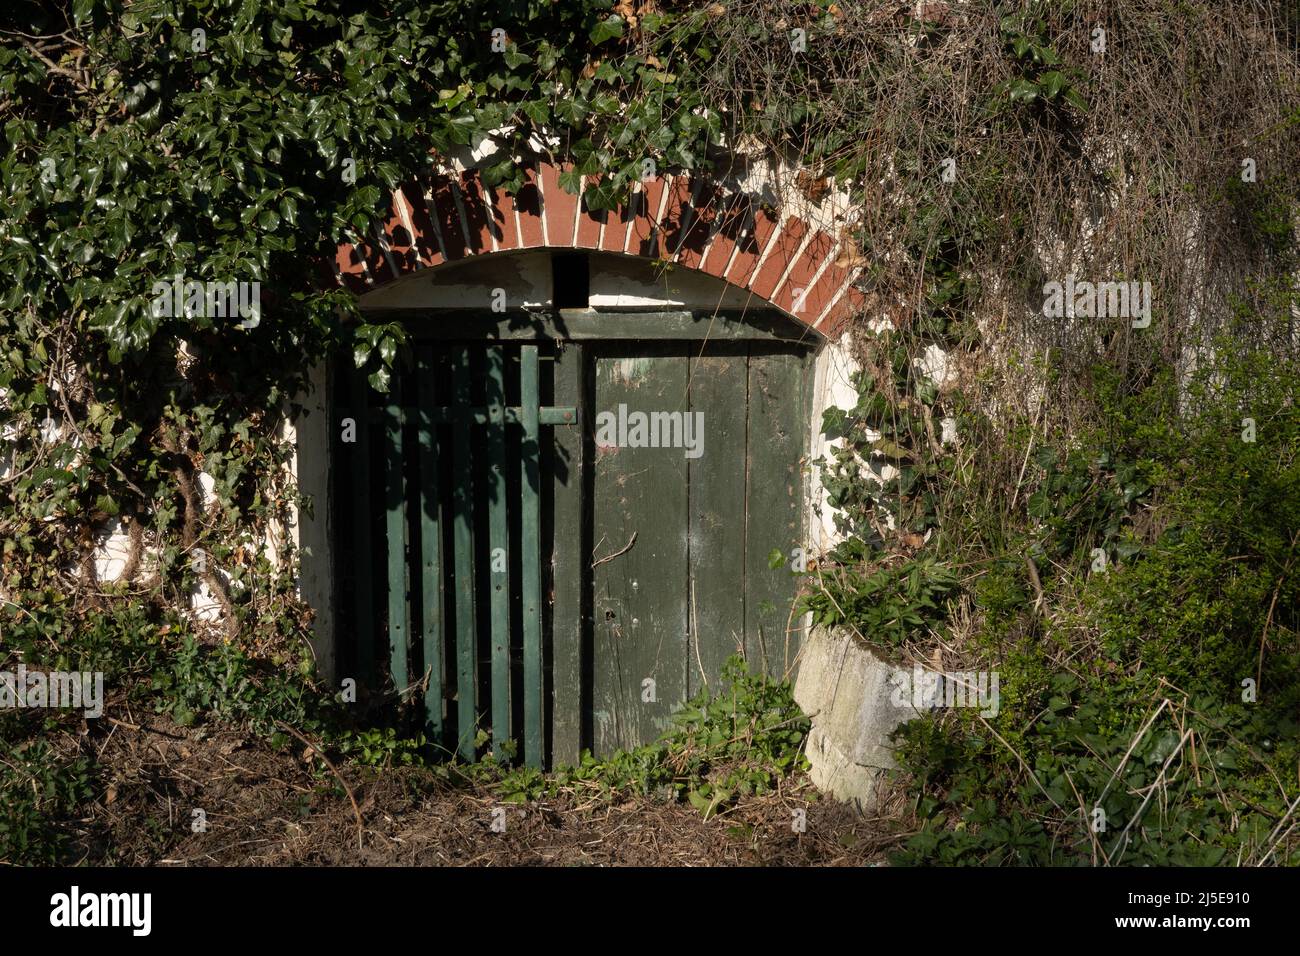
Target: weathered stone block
x=848, y=692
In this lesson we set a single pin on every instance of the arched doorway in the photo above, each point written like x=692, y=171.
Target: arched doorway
x=662, y=403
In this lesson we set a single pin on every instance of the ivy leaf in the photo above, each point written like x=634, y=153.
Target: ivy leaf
x=1053, y=82
x=1022, y=91
x=571, y=181
x=515, y=59
x=835, y=423
x=608, y=29
x=539, y=111
x=890, y=449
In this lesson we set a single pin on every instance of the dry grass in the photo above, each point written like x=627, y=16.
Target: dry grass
x=267, y=807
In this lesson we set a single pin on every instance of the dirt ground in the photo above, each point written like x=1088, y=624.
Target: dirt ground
x=267, y=807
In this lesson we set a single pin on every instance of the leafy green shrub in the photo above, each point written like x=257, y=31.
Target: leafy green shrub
x=38, y=791
x=740, y=741
x=383, y=747
x=885, y=602
x=1158, y=722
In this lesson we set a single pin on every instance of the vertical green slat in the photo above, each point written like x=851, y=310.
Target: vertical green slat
x=395, y=526
x=463, y=544
x=430, y=548
x=568, y=578
x=359, y=390
x=774, y=511
x=640, y=608
x=498, y=549
x=717, y=519
x=531, y=555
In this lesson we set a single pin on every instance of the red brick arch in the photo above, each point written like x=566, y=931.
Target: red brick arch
x=690, y=221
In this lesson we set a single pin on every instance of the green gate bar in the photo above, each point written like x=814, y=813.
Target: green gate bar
x=395, y=507
x=465, y=563
x=531, y=550
x=430, y=549
x=498, y=565
x=463, y=543
x=358, y=395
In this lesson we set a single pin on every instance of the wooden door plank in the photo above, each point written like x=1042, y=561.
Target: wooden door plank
x=775, y=505
x=568, y=574
x=640, y=626
x=717, y=518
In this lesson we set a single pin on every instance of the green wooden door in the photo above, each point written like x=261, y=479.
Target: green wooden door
x=698, y=456
x=556, y=586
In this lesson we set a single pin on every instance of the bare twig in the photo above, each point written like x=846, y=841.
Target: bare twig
x=352, y=797
x=624, y=550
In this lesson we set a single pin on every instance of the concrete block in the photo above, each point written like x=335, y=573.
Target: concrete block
x=848, y=692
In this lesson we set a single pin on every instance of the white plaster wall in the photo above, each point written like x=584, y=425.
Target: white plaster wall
x=833, y=372
x=525, y=278
x=616, y=282
x=624, y=282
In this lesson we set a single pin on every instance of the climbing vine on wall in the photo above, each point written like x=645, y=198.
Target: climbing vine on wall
x=234, y=141
x=215, y=142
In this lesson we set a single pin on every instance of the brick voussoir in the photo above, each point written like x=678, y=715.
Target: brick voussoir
x=559, y=206
x=784, y=247
x=448, y=218
x=693, y=220
x=842, y=309
x=527, y=204
x=411, y=197
x=644, y=235
x=676, y=217
x=477, y=215
x=751, y=246
x=589, y=221
x=617, y=222
x=400, y=239
x=704, y=219
x=799, y=281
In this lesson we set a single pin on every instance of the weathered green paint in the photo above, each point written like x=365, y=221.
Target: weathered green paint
x=530, y=549
x=498, y=564
x=717, y=518
x=667, y=606
x=430, y=549
x=395, y=526
x=640, y=606
x=568, y=573
x=775, y=504
x=359, y=460
x=463, y=545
